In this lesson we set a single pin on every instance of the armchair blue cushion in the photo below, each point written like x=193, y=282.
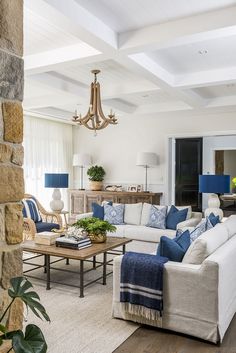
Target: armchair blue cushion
x=46, y=227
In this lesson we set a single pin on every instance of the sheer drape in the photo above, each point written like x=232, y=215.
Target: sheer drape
x=48, y=149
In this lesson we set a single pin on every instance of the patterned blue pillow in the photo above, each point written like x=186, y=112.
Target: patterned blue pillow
x=114, y=214
x=30, y=210
x=98, y=210
x=157, y=217
x=202, y=227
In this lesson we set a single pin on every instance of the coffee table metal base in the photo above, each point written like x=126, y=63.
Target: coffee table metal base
x=95, y=265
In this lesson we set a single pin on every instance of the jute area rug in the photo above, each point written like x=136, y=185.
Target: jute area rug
x=79, y=325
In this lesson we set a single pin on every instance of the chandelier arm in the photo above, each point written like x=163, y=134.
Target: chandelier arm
x=101, y=114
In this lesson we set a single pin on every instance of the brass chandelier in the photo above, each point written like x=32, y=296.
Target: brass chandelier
x=95, y=118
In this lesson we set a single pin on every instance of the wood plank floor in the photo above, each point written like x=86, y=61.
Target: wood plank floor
x=153, y=340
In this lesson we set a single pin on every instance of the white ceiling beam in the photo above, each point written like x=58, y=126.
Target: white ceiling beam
x=49, y=100
x=56, y=59
x=179, y=32
x=206, y=78
x=77, y=21
x=162, y=107
x=166, y=80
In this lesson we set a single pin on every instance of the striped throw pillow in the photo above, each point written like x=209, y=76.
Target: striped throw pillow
x=30, y=210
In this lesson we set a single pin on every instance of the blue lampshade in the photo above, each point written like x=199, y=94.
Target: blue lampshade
x=56, y=180
x=217, y=184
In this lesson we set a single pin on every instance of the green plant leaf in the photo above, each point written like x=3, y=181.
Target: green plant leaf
x=3, y=328
x=96, y=173
x=32, y=342
x=94, y=225
x=19, y=288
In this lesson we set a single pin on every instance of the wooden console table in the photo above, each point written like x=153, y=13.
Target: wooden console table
x=81, y=200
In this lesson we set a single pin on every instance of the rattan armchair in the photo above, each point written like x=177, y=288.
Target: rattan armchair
x=29, y=227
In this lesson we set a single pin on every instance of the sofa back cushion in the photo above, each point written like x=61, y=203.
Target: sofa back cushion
x=206, y=244
x=230, y=224
x=133, y=213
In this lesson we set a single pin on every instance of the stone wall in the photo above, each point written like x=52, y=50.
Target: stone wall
x=11, y=151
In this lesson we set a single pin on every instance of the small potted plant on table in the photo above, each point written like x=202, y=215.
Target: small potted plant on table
x=96, y=228
x=96, y=175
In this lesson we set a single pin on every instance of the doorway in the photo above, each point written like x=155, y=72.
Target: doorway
x=188, y=166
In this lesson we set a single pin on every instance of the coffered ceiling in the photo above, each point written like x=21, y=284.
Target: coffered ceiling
x=155, y=56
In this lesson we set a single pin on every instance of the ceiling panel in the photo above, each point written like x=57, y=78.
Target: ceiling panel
x=123, y=15
x=149, y=97
x=41, y=35
x=216, y=53
x=217, y=91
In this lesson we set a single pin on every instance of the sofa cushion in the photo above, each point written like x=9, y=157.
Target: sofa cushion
x=157, y=217
x=144, y=233
x=133, y=213
x=46, y=227
x=174, y=249
x=230, y=224
x=146, y=212
x=175, y=216
x=189, y=214
x=206, y=244
x=114, y=214
x=98, y=210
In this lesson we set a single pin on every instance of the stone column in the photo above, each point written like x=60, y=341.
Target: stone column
x=11, y=152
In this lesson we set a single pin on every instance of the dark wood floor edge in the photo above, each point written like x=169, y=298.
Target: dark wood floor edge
x=126, y=338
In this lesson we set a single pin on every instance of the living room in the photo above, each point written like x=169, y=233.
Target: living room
x=165, y=71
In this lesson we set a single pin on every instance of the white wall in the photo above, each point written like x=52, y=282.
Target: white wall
x=115, y=147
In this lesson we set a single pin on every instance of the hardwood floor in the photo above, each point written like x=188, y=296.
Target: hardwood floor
x=153, y=340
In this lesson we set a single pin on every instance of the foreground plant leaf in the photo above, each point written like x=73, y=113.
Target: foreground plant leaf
x=19, y=289
x=32, y=342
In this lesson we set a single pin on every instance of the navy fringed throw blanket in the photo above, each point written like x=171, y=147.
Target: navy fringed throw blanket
x=141, y=284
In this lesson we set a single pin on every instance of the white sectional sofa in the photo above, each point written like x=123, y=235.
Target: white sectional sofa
x=200, y=292
x=146, y=239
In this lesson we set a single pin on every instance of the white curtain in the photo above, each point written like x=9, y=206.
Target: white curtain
x=48, y=149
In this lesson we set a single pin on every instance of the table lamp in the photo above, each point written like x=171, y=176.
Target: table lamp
x=214, y=185
x=56, y=181
x=81, y=160
x=146, y=160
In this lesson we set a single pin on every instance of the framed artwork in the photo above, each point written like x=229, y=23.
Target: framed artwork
x=133, y=188
x=139, y=188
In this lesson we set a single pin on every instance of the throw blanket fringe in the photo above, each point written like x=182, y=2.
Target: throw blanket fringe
x=138, y=310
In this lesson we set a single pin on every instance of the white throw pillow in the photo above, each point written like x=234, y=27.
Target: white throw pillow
x=132, y=213
x=206, y=244
x=146, y=212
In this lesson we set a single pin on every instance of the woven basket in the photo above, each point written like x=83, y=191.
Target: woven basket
x=97, y=238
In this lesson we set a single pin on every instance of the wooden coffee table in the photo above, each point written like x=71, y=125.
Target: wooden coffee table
x=109, y=247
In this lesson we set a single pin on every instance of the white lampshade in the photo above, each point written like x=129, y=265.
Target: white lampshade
x=81, y=160
x=146, y=159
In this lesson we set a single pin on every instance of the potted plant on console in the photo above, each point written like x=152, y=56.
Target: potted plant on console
x=96, y=228
x=96, y=175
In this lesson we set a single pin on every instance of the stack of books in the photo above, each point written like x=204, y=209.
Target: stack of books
x=73, y=243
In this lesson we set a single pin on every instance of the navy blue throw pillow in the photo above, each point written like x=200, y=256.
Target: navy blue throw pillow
x=174, y=249
x=175, y=216
x=98, y=210
x=214, y=219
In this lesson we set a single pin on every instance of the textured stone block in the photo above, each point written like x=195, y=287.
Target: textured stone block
x=4, y=302
x=5, y=152
x=13, y=122
x=11, y=266
x=15, y=317
x=11, y=183
x=11, y=76
x=18, y=155
x=1, y=123
x=11, y=26
x=2, y=223
x=13, y=223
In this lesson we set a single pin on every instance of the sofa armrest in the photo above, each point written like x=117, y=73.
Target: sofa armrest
x=84, y=215
x=191, y=222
